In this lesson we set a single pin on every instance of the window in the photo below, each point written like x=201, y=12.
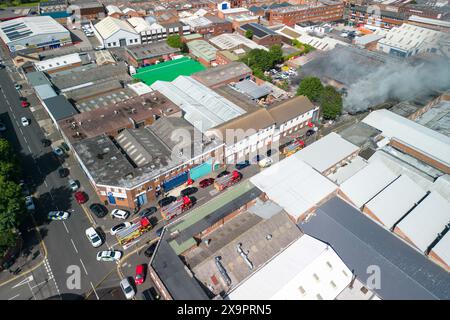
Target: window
x=329, y=265
x=333, y=284
x=316, y=277
x=302, y=290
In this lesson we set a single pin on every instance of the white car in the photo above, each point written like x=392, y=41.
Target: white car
x=120, y=227
x=266, y=162
x=127, y=289
x=73, y=185
x=110, y=255
x=121, y=214
x=29, y=203
x=94, y=237
x=58, y=215
x=25, y=121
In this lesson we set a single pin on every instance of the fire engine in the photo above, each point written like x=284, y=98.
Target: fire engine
x=227, y=180
x=134, y=231
x=175, y=208
x=293, y=147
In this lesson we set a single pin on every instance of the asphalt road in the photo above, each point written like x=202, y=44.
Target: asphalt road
x=66, y=243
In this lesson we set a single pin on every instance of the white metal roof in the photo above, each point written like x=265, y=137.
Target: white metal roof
x=429, y=218
x=442, y=248
x=395, y=201
x=436, y=22
x=57, y=62
x=108, y=26
x=442, y=186
x=110, y=9
x=324, y=43
x=293, y=185
x=140, y=88
x=306, y=270
x=343, y=173
x=367, y=182
x=139, y=24
x=227, y=41
x=204, y=108
x=196, y=21
x=326, y=152
x=429, y=141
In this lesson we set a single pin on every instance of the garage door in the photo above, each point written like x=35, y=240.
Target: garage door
x=175, y=181
x=201, y=170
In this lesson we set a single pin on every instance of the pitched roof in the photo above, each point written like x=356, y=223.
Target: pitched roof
x=108, y=26
x=290, y=109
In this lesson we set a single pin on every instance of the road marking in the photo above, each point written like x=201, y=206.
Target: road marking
x=29, y=149
x=83, y=266
x=39, y=284
x=24, y=138
x=74, y=246
x=67, y=230
x=29, y=286
x=94, y=291
x=24, y=281
x=91, y=220
x=14, y=297
x=45, y=182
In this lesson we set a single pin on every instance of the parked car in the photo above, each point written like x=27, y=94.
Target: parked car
x=159, y=232
x=94, y=237
x=25, y=122
x=242, y=165
x=29, y=203
x=58, y=152
x=270, y=152
x=81, y=197
x=73, y=185
x=310, y=132
x=188, y=191
x=166, y=201
x=17, y=86
x=120, y=227
x=150, y=294
x=266, y=162
x=2, y=66
x=24, y=104
x=109, y=255
x=139, y=278
x=127, y=289
x=147, y=212
x=99, y=210
x=223, y=173
x=63, y=172
x=121, y=214
x=2, y=127
x=46, y=143
x=206, y=182
x=58, y=215
x=149, y=251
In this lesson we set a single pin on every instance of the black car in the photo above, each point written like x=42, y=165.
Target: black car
x=2, y=66
x=148, y=211
x=166, y=201
x=63, y=172
x=149, y=251
x=159, y=231
x=150, y=294
x=223, y=173
x=270, y=152
x=46, y=142
x=188, y=191
x=242, y=165
x=310, y=132
x=99, y=210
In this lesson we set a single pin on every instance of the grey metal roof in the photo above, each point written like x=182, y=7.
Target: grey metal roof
x=37, y=78
x=251, y=89
x=258, y=30
x=60, y=108
x=360, y=243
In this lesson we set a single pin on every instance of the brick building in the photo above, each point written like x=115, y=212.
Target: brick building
x=261, y=34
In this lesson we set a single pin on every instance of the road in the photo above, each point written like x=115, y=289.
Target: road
x=65, y=241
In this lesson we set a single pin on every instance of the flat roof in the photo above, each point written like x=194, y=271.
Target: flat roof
x=423, y=224
x=361, y=244
x=60, y=108
x=202, y=49
x=151, y=50
x=213, y=76
x=168, y=71
x=58, y=62
x=93, y=96
x=367, y=183
x=259, y=30
x=327, y=152
x=251, y=89
x=413, y=134
x=437, y=118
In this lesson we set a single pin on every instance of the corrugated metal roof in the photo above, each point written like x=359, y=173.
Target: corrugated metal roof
x=108, y=26
x=251, y=89
x=442, y=249
x=363, y=245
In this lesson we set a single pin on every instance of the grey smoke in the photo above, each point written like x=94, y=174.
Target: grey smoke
x=399, y=81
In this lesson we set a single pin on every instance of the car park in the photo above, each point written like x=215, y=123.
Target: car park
x=63, y=172
x=99, y=210
x=127, y=289
x=206, y=182
x=81, y=197
x=120, y=227
x=29, y=203
x=94, y=237
x=223, y=173
x=147, y=212
x=109, y=255
x=58, y=215
x=73, y=185
x=121, y=214
x=166, y=201
x=150, y=250
x=25, y=122
x=58, y=152
x=188, y=191
x=139, y=277
x=242, y=165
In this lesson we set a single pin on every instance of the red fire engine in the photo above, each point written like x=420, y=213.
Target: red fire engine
x=227, y=180
x=127, y=235
x=175, y=208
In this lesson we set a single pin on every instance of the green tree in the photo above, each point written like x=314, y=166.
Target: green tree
x=174, y=41
x=276, y=55
x=9, y=168
x=249, y=34
x=12, y=204
x=331, y=102
x=8, y=239
x=310, y=87
x=184, y=48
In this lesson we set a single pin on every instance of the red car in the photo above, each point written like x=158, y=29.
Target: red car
x=24, y=104
x=80, y=197
x=206, y=182
x=139, y=278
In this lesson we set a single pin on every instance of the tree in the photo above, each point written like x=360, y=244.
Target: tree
x=249, y=34
x=174, y=41
x=276, y=54
x=331, y=102
x=184, y=48
x=310, y=87
x=8, y=239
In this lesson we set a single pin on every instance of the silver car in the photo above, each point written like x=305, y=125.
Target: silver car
x=109, y=255
x=127, y=289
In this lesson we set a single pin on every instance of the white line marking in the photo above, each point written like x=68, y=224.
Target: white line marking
x=24, y=281
x=45, y=182
x=38, y=284
x=24, y=138
x=14, y=297
x=29, y=149
x=94, y=291
x=74, y=246
x=83, y=266
x=29, y=286
x=65, y=227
